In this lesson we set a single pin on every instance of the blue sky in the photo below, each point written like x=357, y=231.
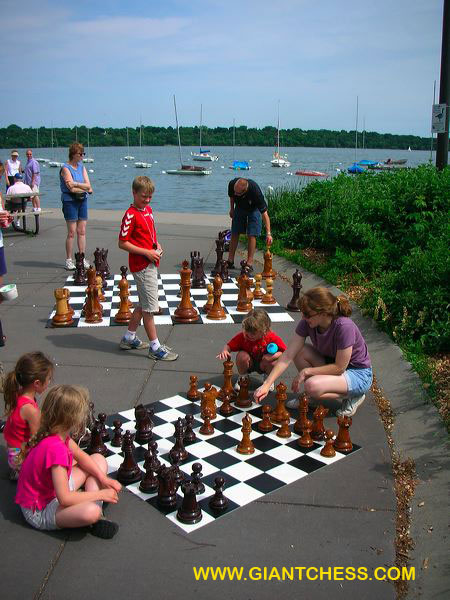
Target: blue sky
x=112, y=63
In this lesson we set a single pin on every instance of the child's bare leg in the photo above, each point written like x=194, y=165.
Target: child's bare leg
x=267, y=365
x=136, y=317
x=243, y=362
x=149, y=325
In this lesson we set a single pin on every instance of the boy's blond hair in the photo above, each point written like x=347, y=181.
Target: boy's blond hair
x=142, y=183
x=257, y=321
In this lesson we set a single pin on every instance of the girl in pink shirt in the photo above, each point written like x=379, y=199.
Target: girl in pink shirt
x=30, y=376
x=49, y=483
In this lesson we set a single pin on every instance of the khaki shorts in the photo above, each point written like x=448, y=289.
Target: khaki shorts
x=35, y=189
x=147, y=288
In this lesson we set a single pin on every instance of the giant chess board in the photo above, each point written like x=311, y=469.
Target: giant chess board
x=275, y=463
x=168, y=288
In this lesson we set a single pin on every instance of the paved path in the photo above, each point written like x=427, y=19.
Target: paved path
x=340, y=516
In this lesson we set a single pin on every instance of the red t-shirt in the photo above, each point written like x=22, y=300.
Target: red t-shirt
x=258, y=347
x=17, y=431
x=138, y=227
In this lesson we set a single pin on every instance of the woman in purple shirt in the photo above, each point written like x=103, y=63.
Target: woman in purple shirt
x=336, y=364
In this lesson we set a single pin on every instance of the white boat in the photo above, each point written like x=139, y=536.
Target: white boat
x=203, y=155
x=185, y=169
x=54, y=163
x=128, y=156
x=42, y=160
x=88, y=159
x=278, y=159
x=141, y=164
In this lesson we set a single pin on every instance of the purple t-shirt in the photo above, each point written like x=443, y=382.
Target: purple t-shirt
x=341, y=334
x=32, y=167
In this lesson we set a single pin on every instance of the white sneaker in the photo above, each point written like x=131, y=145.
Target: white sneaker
x=17, y=222
x=237, y=386
x=86, y=264
x=36, y=210
x=272, y=387
x=350, y=406
x=70, y=266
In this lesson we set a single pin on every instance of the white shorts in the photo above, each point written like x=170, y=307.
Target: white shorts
x=35, y=188
x=46, y=518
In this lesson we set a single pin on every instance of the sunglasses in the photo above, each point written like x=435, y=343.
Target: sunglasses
x=81, y=153
x=310, y=315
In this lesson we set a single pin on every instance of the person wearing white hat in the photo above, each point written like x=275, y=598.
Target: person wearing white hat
x=13, y=166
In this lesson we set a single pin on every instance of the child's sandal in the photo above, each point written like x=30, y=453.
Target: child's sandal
x=104, y=529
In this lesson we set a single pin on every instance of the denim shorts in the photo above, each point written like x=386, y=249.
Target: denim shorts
x=358, y=381
x=73, y=210
x=147, y=288
x=246, y=222
x=45, y=519
x=2, y=261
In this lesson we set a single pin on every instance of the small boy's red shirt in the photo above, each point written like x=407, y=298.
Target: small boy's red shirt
x=138, y=227
x=256, y=348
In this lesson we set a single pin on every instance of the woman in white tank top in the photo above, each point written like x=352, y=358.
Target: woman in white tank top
x=13, y=166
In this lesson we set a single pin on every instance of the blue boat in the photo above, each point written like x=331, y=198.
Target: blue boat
x=355, y=169
x=367, y=163
x=240, y=165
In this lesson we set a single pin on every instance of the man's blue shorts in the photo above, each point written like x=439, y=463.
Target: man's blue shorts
x=2, y=262
x=74, y=210
x=246, y=222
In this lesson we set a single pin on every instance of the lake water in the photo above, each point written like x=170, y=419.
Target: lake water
x=111, y=175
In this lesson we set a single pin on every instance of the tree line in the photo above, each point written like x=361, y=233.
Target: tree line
x=15, y=136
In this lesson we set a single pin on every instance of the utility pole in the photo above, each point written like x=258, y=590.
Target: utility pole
x=444, y=89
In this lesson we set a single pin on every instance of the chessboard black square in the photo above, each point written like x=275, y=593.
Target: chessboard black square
x=265, y=483
x=265, y=443
x=115, y=417
x=295, y=445
x=306, y=464
x=223, y=442
x=222, y=460
x=209, y=480
x=264, y=462
x=204, y=505
x=226, y=425
x=165, y=511
x=189, y=409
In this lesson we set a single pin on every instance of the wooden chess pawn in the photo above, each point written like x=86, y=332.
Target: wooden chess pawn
x=306, y=440
x=193, y=393
x=246, y=446
x=257, y=292
x=217, y=312
x=265, y=424
x=210, y=299
x=280, y=413
x=218, y=502
x=328, y=450
x=102, y=421
x=63, y=315
x=207, y=428
x=284, y=431
x=268, y=296
x=243, y=399
x=196, y=478
x=303, y=406
x=226, y=409
x=117, y=435
x=318, y=430
x=128, y=472
x=149, y=483
x=189, y=434
x=343, y=443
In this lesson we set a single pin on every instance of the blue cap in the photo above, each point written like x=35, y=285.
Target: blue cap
x=18, y=176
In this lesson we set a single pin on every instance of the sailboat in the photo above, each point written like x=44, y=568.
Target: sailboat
x=140, y=164
x=88, y=159
x=185, y=169
x=54, y=163
x=203, y=154
x=238, y=165
x=39, y=159
x=128, y=157
x=278, y=160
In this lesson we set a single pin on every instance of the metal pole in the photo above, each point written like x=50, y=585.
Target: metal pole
x=444, y=88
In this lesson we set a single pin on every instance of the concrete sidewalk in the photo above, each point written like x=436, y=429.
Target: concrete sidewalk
x=340, y=516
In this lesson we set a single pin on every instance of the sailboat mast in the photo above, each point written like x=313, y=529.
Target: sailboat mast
x=178, y=129
x=37, y=137
x=128, y=143
x=356, y=128
x=201, y=122
x=278, y=131
x=234, y=136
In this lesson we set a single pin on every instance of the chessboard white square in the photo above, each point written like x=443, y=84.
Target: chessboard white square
x=242, y=494
x=286, y=473
x=175, y=401
x=114, y=462
x=327, y=460
x=242, y=471
x=206, y=519
x=202, y=449
x=233, y=452
x=283, y=453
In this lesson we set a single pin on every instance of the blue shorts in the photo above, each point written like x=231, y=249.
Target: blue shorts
x=358, y=381
x=246, y=222
x=2, y=262
x=75, y=210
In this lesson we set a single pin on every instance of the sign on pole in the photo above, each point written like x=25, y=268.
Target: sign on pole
x=438, y=118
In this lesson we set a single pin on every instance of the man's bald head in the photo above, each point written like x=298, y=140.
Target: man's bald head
x=240, y=187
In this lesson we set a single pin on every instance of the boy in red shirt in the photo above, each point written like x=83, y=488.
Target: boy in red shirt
x=253, y=346
x=138, y=238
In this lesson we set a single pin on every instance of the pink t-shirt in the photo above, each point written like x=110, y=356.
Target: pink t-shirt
x=18, y=188
x=17, y=430
x=35, y=486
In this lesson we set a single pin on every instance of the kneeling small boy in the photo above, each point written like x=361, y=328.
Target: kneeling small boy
x=138, y=238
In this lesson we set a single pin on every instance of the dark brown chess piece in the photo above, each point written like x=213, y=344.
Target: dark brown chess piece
x=63, y=315
x=144, y=424
x=103, y=430
x=343, y=443
x=179, y=435
x=265, y=424
x=153, y=448
x=174, y=457
x=117, y=436
x=207, y=428
x=257, y=292
x=128, y=472
x=198, y=273
x=194, y=255
x=196, y=478
x=193, y=393
x=280, y=412
x=243, y=303
x=296, y=287
x=217, y=312
x=318, y=430
x=303, y=406
x=220, y=243
x=268, y=272
x=96, y=445
x=79, y=276
x=243, y=399
x=306, y=441
x=185, y=312
x=218, y=502
x=226, y=409
x=189, y=511
x=105, y=263
x=149, y=483
x=227, y=387
x=167, y=489
x=328, y=450
x=268, y=296
x=224, y=276
x=123, y=315
x=210, y=299
x=246, y=446
x=189, y=434
x=284, y=431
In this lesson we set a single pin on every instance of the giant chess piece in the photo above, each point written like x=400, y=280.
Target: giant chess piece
x=226, y=409
x=224, y=276
x=280, y=413
x=117, y=439
x=257, y=292
x=189, y=511
x=328, y=450
x=318, y=430
x=194, y=255
x=303, y=406
x=207, y=428
x=79, y=276
x=296, y=287
x=306, y=441
x=210, y=299
x=218, y=502
x=96, y=445
x=63, y=314
x=149, y=483
x=193, y=393
x=268, y=272
x=246, y=446
x=284, y=431
x=343, y=443
x=268, y=296
x=217, y=312
x=92, y=307
x=227, y=387
x=174, y=457
x=185, y=312
x=179, y=435
x=265, y=425
x=243, y=399
x=123, y=315
x=208, y=400
x=123, y=271
x=99, y=265
x=198, y=273
x=105, y=263
x=243, y=303
x=99, y=284
x=189, y=436
x=196, y=478
x=144, y=424
x=167, y=489
x=128, y=472
x=220, y=243
x=103, y=429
